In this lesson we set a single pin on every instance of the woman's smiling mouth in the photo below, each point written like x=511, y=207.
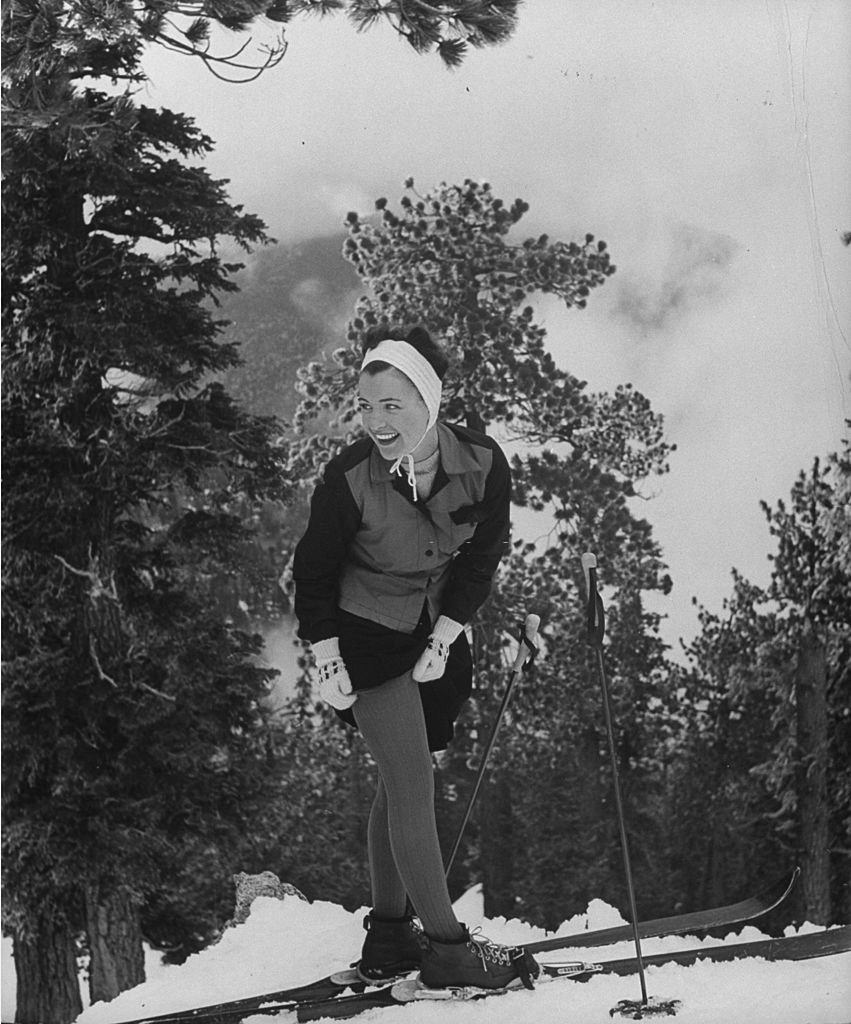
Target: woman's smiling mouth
x=385, y=438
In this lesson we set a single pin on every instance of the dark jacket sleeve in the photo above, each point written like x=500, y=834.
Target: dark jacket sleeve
x=476, y=562
x=319, y=555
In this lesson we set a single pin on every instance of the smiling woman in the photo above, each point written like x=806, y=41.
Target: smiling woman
x=399, y=399
x=394, y=413
x=393, y=564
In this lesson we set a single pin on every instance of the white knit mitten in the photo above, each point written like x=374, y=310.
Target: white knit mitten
x=432, y=662
x=334, y=685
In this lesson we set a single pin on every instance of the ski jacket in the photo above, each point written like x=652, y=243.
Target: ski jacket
x=372, y=551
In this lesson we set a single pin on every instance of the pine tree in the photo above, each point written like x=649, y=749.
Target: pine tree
x=721, y=838
x=132, y=712
x=448, y=259
x=812, y=590
x=133, y=719
x=769, y=684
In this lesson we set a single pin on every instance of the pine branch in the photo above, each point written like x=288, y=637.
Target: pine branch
x=364, y=17
x=452, y=52
x=274, y=54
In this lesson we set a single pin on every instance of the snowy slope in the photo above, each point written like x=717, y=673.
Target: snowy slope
x=290, y=942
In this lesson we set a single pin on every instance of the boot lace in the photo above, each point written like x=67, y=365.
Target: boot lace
x=501, y=956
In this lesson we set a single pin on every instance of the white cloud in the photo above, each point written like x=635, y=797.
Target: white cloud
x=694, y=272
x=706, y=142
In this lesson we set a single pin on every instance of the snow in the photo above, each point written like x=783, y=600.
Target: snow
x=290, y=942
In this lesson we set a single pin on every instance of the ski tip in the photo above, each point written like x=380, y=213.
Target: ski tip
x=779, y=890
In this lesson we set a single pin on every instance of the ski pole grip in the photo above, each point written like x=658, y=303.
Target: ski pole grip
x=589, y=562
x=530, y=629
x=527, y=641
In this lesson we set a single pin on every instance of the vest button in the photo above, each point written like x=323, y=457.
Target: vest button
x=429, y=552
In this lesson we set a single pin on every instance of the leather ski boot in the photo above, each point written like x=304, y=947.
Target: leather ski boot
x=392, y=946
x=476, y=962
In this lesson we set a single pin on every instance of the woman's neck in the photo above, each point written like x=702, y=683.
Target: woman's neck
x=427, y=447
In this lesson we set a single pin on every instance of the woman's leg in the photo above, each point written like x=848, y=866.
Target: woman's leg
x=389, y=898
x=390, y=718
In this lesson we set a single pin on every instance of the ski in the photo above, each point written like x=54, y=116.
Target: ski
x=796, y=947
x=338, y=983
x=679, y=924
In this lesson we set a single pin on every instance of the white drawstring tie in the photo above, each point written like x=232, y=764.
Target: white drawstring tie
x=411, y=474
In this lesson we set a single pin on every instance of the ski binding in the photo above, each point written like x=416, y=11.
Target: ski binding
x=411, y=990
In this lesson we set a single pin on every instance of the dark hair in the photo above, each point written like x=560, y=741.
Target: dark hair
x=417, y=336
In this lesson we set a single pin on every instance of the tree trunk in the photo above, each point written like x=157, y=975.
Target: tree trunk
x=115, y=943
x=813, y=810
x=497, y=849
x=48, y=991
x=590, y=766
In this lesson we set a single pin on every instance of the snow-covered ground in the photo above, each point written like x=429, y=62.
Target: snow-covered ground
x=290, y=942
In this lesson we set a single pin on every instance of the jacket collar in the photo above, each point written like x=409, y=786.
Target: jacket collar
x=455, y=457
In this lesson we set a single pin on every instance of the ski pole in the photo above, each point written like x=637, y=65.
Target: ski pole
x=525, y=656
x=596, y=631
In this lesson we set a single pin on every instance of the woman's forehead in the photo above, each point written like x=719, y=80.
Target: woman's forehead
x=384, y=385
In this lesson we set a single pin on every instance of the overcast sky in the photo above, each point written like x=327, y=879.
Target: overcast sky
x=707, y=141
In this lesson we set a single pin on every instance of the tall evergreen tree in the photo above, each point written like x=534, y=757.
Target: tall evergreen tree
x=133, y=721
x=812, y=590
x=769, y=683
x=132, y=713
x=722, y=837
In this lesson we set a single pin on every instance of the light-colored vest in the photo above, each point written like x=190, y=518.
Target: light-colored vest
x=402, y=554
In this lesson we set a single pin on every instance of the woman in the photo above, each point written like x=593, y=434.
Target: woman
x=406, y=530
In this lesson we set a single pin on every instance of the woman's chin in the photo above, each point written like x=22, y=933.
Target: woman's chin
x=390, y=451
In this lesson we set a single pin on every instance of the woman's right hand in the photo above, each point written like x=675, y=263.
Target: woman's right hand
x=335, y=687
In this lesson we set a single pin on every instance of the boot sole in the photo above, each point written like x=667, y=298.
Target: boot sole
x=353, y=976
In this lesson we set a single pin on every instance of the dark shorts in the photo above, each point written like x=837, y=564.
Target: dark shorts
x=375, y=654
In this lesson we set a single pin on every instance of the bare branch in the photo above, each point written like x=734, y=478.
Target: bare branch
x=98, y=587
x=158, y=693
x=70, y=568
x=96, y=661
x=274, y=55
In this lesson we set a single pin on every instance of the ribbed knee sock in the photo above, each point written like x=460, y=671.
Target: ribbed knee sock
x=390, y=718
x=389, y=898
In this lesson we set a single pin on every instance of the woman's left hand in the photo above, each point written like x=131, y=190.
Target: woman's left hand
x=432, y=662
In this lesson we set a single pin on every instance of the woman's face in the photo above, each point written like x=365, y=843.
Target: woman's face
x=393, y=411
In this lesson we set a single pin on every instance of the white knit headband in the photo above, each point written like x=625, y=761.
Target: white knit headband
x=419, y=371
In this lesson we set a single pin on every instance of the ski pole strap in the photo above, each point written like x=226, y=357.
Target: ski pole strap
x=528, y=641
x=596, y=616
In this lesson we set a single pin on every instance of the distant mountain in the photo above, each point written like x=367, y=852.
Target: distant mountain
x=293, y=304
